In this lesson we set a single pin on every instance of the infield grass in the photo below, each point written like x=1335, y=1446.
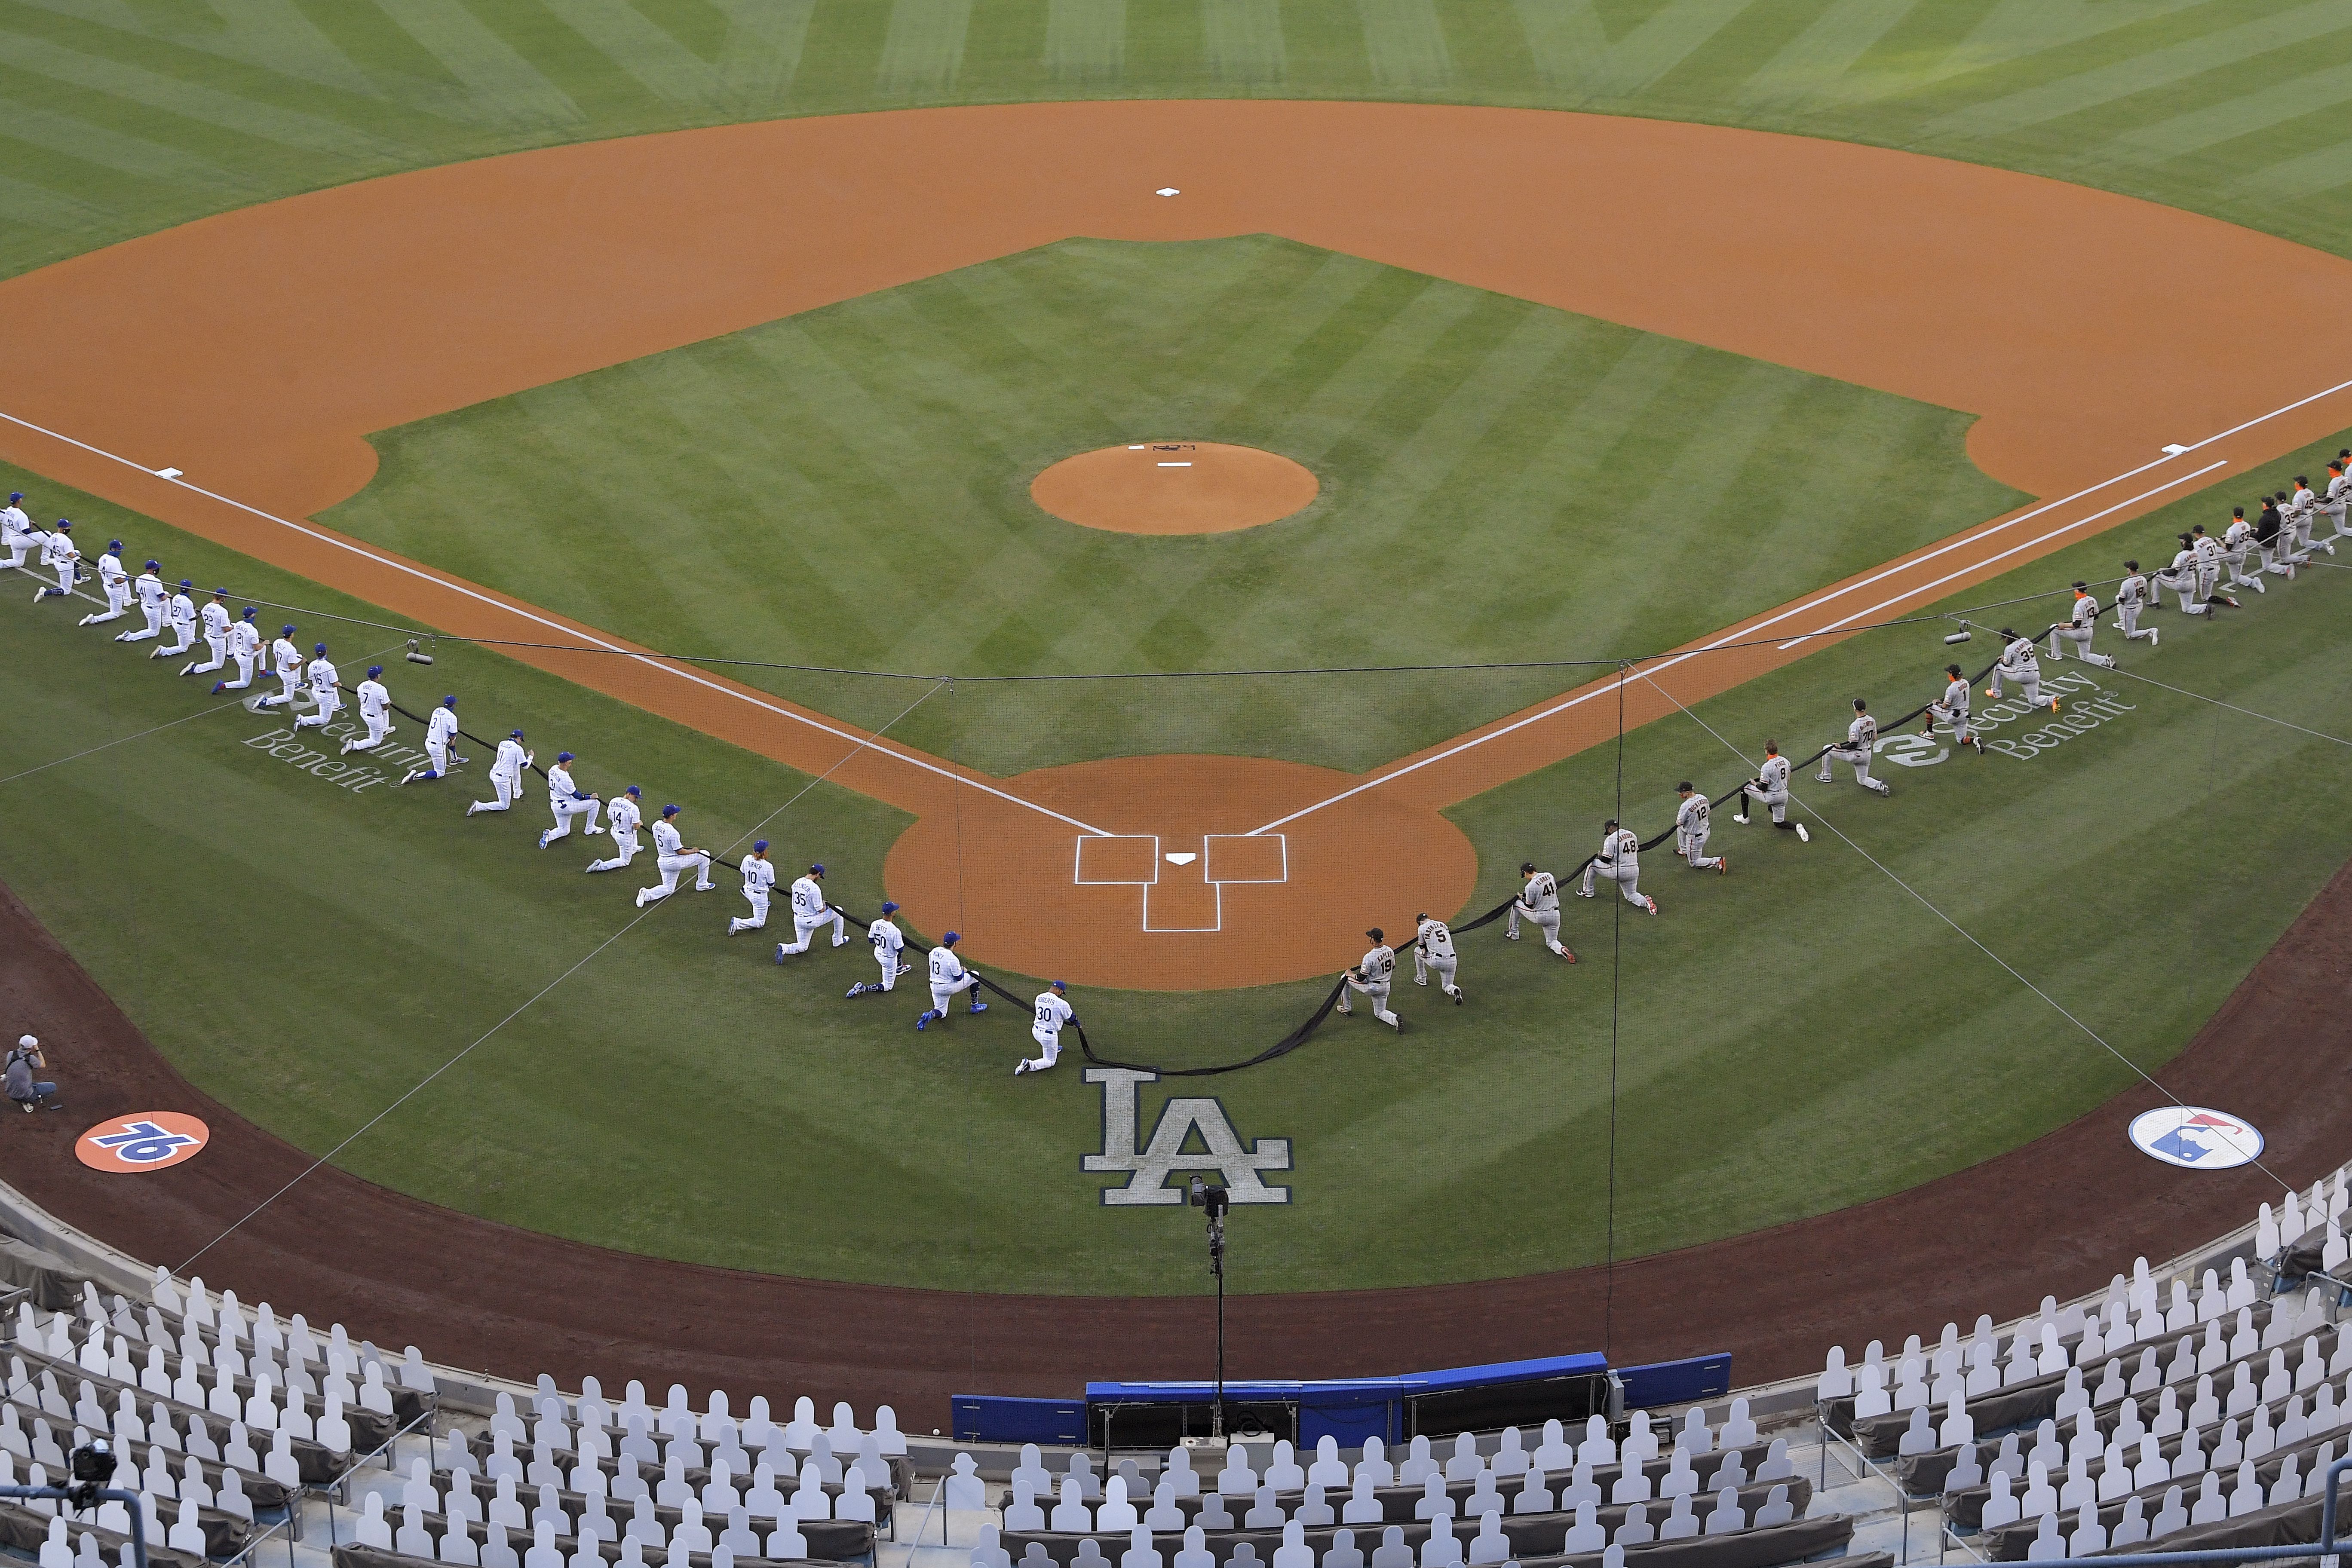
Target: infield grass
x=1787, y=1040
x=1501, y=482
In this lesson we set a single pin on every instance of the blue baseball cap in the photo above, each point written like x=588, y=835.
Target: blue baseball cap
x=760, y=846
x=15, y=497
x=220, y=593
x=374, y=670
x=114, y=544
x=64, y=527
x=514, y=735
x=250, y=612
x=669, y=810
x=187, y=582
x=286, y=630
x=1059, y=987
x=818, y=868
x=949, y=940
x=318, y=648
x=154, y=566
x=889, y=908
x=449, y=701
x=563, y=756
x=633, y=789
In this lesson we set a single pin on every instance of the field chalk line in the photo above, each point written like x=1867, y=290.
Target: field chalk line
x=453, y=585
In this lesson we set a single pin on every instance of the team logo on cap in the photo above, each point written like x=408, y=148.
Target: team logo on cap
x=145, y=1141
x=2195, y=1138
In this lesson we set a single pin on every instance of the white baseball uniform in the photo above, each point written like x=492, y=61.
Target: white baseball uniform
x=949, y=980
x=2084, y=622
x=16, y=534
x=288, y=660
x=565, y=800
x=114, y=579
x=2237, y=541
x=244, y=644
x=440, y=735
x=670, y=858
x=1953, y=708
x=1538, y=903
x=213, y=619
x=759, y=877
x=1371, y=976
x=622, y=819
x=375, y=712
x=152, y=598
x=809, y=912
x=2131, y=593
x=1433, y=948
x=60, y=557
x=1770, y=785
x=883, y=934
x=2339, y=498
x=1693, y=823
x=2181, y=578
x=180, y=613
x=2302, y=507
x=325, y=699
x=1054, y=1010
x=2019, y=664
x=506, y=777
x=1860, y=744
x=1619, y=859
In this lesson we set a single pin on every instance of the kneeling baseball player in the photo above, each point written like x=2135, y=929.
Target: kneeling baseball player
x=1052, y=1012
x=1953, y=709
x=2078, y=630
x=1539, y=904
x=1770, y=785
x=1860, y=745
x=1692, y=826
x=949, y=979
x=888, y=942
x=1433, y=948
x=1619, y=859
x=1371, y=976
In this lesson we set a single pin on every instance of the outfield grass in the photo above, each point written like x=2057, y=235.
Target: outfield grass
x=129, y=116
x=1501, y=482
x=307, y=953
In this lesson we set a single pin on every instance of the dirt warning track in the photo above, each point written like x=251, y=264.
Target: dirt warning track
x=256, y=351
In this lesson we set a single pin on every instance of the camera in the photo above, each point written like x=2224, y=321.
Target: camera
x=1215, y=1199
x=93, y=1465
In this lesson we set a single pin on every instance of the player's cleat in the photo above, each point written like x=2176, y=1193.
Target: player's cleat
x=542, y=838
x=83, y=621
x=346, y=751
x=39, y=594
x=190, y=665
x=1883, y=788
x=1978, y=742
x=1457, y=995
x=1420, y=979
x=641, y=892
x=1741, y=820
x=1804, y=837
x=218, y=688
x=856, y=990
x=780, y=951
x=979, y=1007
x=1649, y=904
x=926, y=1019
x=906, y=969
x=2154, y=637
x=1723, y=865
x=840, y=941
x=594, y=832
x=1582, y=894
x=1019, y=1068
x=1512, y=936
x=472, y=806
x=1568, y=955
x=1395, y=1022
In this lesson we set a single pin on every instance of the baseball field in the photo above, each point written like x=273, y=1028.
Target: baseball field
x=1668, y=375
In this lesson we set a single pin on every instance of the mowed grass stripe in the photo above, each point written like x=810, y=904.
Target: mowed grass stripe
x=659, y=61
x=504, y=82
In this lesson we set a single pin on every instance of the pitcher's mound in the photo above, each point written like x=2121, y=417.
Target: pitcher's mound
x=1173, y=487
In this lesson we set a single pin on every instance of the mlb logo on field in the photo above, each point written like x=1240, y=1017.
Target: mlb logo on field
x=147, y=1141
x=2195, y=1138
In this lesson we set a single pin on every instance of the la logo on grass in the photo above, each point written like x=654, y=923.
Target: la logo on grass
x=1221, y=1147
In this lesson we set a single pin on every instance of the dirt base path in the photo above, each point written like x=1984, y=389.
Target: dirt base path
x=256, y=350
x=481, y=1295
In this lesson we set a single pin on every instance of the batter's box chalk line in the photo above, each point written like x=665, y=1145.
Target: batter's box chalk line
x=1134, y=860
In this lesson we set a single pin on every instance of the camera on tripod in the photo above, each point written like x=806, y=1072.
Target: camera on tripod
x=92, y=1465
x=1215, y=1199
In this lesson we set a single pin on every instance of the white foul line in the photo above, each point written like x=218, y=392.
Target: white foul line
x=452, y=585
x=1747, y=632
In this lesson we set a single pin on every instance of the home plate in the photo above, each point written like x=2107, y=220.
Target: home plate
x=1187, y=858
